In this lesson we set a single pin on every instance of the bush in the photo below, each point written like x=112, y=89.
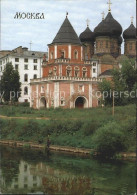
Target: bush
x=109, y=140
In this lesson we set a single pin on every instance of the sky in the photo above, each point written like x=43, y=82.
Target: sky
x=19, y=32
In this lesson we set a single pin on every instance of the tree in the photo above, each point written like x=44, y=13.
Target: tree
x=109, y=140
x=123, y=83
x=10, y=84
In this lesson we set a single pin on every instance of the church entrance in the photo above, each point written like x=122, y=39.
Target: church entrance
x=42, y=102
x=80, y=102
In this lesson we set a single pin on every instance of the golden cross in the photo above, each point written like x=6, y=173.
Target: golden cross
x=103, y=15
x=109, y=3
x=87, y=22
x=132, y=18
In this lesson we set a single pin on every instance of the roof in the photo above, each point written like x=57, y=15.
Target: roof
x=130, y=32
x=87, y=35
x=106, y=73
x=66, y=34
x=23, y=52
x=35, y=54
x=108, y=27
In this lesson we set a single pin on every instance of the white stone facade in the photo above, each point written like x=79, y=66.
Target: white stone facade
x=28, y=64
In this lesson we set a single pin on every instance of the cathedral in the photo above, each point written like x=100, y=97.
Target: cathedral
x=76, y=65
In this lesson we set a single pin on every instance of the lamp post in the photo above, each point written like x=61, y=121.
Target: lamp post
x=113, y=103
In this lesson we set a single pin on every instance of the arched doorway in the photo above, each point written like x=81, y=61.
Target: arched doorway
x=80, y=102
x=42, y=102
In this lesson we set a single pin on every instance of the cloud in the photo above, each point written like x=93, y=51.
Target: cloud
x=16, y=32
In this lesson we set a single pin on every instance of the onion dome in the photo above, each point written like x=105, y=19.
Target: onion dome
x=108, y=27
x=130, y=32
x=87, y=35
x=66, y=34
x=120, y=40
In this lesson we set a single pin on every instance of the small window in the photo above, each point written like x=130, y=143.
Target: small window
x=68, y=71
x=62, y=102
x=25, y=90
x=75, y=55
x=0, y=62
x=1, y=68
x=62, y=54
x=42, y=89
x=26, y=60
x=26, y=100
x=16, y=66
x=35, y=67
x=35, y=60
x=76, y=71
x=16, y=59
x=94, y=70
x=25, y=67
x=25, y=77
x=51, y=55
x=94, y=64
x=35, y=76
x=84, y=72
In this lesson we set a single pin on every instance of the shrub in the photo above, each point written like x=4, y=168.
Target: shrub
x=109, y=140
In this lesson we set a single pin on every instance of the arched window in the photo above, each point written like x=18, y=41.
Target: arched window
x=75, y=54
x=62, y=54
x=26, y=77
x=42, y=89
x=35, y=76
x=55, y=70
x=76, y=71
x=25, y=90
x=84, y=72
x=51, y=55
x=68, y=71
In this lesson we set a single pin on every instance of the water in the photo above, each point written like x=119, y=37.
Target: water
x=34, y=172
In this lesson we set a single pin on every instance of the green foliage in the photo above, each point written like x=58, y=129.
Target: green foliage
x=109, y=140
x=72, y=128
x=124, y=81
x=10, y=85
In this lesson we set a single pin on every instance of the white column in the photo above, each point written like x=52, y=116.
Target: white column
x=71, y=93
x=81, y=53
x=47, y=95
x=90, y=95
x=69, y=51
x=56, y=94
x=55, y=50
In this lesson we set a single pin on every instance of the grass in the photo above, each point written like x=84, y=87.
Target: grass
x=63, y=114
x=64, y=131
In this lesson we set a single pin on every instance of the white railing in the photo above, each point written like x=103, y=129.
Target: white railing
x=62, y=60
x=64, y=78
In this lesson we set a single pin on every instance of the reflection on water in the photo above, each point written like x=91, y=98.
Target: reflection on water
x=34, y=172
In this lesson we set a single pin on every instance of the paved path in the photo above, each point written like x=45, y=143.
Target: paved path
x=23, y=117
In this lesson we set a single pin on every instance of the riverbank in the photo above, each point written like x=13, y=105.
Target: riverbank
x=74, y=150
x=91, y=129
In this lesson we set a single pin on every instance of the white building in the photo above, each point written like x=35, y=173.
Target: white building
x=28, y=63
